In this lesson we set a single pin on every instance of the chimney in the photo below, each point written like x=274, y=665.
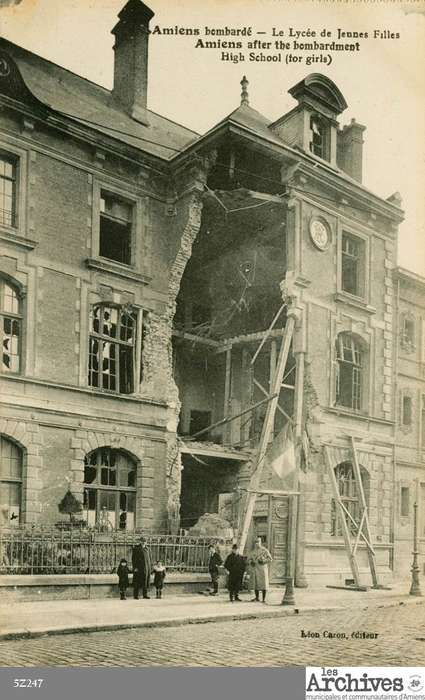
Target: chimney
x=131, y=59
x=350, y=149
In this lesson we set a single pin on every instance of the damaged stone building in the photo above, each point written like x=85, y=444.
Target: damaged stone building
x=149, y=276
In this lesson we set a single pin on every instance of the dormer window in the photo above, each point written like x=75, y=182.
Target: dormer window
x=318, y=137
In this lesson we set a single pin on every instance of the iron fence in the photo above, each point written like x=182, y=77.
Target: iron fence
x=39, y=550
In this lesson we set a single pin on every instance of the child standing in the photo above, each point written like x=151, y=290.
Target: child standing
x=158, y=578
x=122, y=573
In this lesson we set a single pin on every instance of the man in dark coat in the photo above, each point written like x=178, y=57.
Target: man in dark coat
x=235, y=565
x=214, y=562
x=142, y=567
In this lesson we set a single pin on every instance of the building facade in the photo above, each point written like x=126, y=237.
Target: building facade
x=147, y=278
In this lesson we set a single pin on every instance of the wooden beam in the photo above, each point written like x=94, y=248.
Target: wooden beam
x=358, y=477
x=227, y=377
x=227, y=420
x=246, y=339
x=267, y=333
x=274, y=492
x=267, y=428
x=196, y=338
x=278, y=407
x=345, y=531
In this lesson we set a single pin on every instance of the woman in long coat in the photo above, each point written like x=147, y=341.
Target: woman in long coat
x=258, y=561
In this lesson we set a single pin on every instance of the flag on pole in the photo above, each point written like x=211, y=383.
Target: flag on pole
x=281, y=453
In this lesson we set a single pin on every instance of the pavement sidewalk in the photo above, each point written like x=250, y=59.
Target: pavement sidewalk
x=32, y=619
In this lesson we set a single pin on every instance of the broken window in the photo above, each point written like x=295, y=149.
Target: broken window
x=349, y=495
x=10, y=483
x=352, y=265
x=112, y=348
x=115, y=229
x=7, y=190
x=11, y=327
x=349, y=370
x=404, y=501
x=110, y=489
x=318, y=137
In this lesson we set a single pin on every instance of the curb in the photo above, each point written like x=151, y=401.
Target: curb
x=277, y=611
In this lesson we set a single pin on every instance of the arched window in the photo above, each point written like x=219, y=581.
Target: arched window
x=10, y=483
x=112, y=348
x=349, y=371
x=110, y=489
x=348, y=491
x=11, y=327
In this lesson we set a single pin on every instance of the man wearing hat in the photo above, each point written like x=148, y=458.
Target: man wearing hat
x=142, y=566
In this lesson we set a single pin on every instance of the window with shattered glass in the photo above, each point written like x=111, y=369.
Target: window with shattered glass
x=110, y=489
x=10, y=483
x=112, y=348
x=11, y=327
x=318, y=137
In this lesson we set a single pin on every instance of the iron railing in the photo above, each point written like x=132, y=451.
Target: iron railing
x=41, y=550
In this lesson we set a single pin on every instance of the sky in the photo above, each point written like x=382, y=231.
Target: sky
x=383, y=83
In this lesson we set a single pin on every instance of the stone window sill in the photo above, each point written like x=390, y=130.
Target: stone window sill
x=114, y=268
x=10, y=235
x=354, y=301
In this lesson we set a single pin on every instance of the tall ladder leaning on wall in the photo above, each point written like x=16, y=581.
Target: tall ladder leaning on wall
x=362, y=528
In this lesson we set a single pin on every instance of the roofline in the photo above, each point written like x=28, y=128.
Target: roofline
x=343, y=179
x=91, y=82
x=409, y=275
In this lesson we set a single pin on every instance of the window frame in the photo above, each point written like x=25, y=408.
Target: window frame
x=10, y=480
x=358, y=363
x=406, y=395
x=422, y=419
x=404, y=502
x=17, y=231
x=14, y=317
x=325, y=146
x=116, y=489
x=138, y=317
x=13, y=161
x=353, y=500
x=408, y=339
x=363, y=298
x=137, y=229
x=124, y=224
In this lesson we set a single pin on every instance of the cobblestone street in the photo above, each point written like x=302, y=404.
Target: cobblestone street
x=267, y=642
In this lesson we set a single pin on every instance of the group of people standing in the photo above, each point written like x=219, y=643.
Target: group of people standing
x=235, y=564
x=142, y=570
